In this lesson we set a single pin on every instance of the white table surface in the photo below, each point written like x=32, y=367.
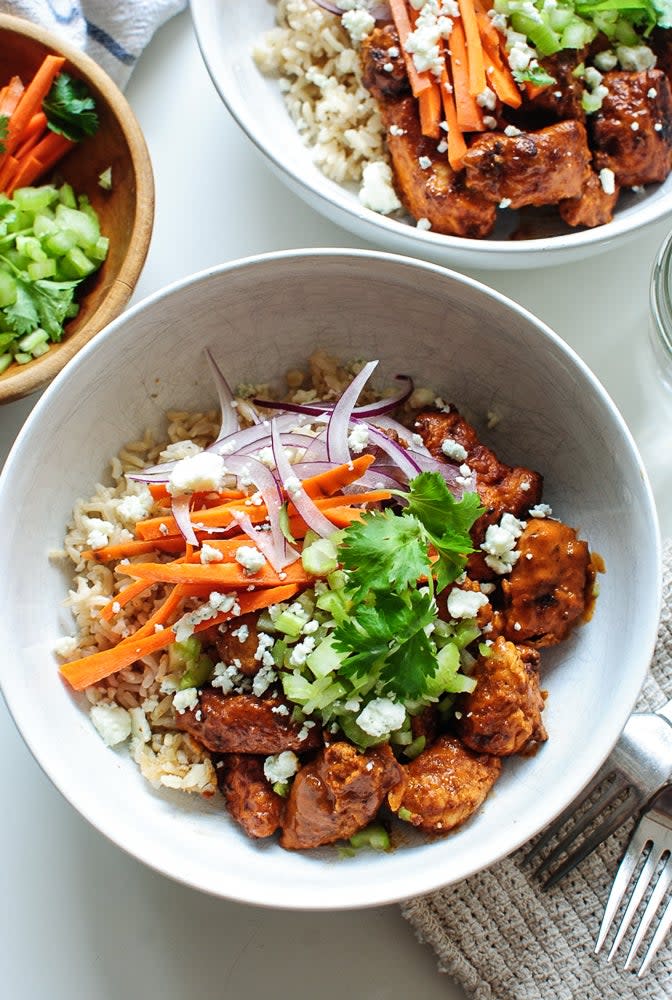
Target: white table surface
x=78, y=918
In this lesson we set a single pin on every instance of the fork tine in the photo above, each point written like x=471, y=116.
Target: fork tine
x=620, y=884
x=567, y=814
x=661, y=887
x=604, y=830
x=640, y=887
x=661, y=933
x=606, y=797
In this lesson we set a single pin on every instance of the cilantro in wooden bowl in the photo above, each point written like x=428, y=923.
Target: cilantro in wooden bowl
x=76, y=209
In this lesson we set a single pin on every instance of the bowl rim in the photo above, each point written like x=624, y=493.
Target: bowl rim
x=389, y=229
x=120, y=832
x=21, y=381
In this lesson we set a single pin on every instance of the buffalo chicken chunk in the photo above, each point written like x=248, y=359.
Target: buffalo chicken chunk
x=249, y=797
x=237, y=642
x=593, y=207
x=550, y=586
x=245, y=724
x=502, y=715
x=337, y=794
x=632, y=131
x=446, y=784
x=530, y=168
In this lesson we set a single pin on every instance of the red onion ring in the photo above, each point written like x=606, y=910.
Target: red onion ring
x=368, y=410
x=313, y=517
x=339, y=421
x=226, y=398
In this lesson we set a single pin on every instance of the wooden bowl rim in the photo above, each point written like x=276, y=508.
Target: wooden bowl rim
x=21, y=381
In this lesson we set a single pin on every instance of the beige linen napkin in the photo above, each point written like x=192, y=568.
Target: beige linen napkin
x=502, y=938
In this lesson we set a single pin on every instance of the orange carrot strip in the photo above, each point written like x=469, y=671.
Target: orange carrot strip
x=90, y=669
x=218, y=575
x=457, y=147
x=533, y=90
x=498, y=73
x=341, y=517
x=472, y=36
x=124, y=597
x=490, y=36
x=31, y=99
x=8, y=167
x=27, y=171
x=53, y=144
x=325, y=484
x=469, y=115
x=159, y=491
x=402, y=21
x=430, y=111
x=124, y=550
x=11, y=95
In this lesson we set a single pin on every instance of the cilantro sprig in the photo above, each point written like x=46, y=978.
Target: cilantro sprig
x=70, y=108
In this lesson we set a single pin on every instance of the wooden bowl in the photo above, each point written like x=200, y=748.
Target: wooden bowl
x=126, y=211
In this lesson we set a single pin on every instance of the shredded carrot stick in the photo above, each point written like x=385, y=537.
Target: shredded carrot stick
x=457, y=147
x=11, y=95
x=325, y=484
x=469, y=115
x=31, y=99
x=429, y=102
x=27, y=171
x=159, y=491
x=90, y=669
x=125, y=550
x=219, y=575
x=498, y=73
x=8, y=167
x=402, y=22
x=32, y=135
x=477, y=82
x=53, y=144
x=123, y=598
x=341, y=517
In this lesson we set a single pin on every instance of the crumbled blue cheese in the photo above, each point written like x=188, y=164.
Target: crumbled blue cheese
x=292, y=485
x=453, y=449
x=423, y=224
x=210, y=554
x=487, y=99
x=216, y=604
x=607, y=180
x=396, y=130
x=263, y=679
x=505, y=202
x=301, y=651
x=377, y=191
x=188, y=698
x=358, y=23
x=112, y=722
x=241, y=633
x=381, y=716
x=511, y=131
x=281, y=766
x=65, y=646
x=433, y=23
x=264, y=645
x=500, y=543
x=202, y=472
x=424, y=162
x=227, y=677
x=465, y=603
x=358, y=438
x=178, y=450
x=636, y=57
x=541, y=510
x=98, y=531
x=135, y=506
x=250, y=558
x=606, y=60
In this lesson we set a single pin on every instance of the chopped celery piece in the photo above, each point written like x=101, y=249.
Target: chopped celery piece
x=545, y=40
x=33, y=340
x=60, y=242
x=39, y=269
x=405, y=814
x=5, y=362
x=447, y=677
x=591, y=102
x=105, y=179
x=356, y=734
x=66, y=196
x=187, y=658
x=35, y=199
x=7, y=289
x=290, y=622
x=320, y=558
x=324, y=659
x=44, y=225
x=40, y=350
x=415, y=748
x=30, y=247
x=577, y=34
x=100, y=248
x=281, y=788
x=22, y=358
x=85, y=228
x=75, y=264
x=374, y=836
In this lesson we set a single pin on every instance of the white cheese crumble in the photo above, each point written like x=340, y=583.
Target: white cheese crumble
x=241, y=633
x=135, y=506
x=281, y=766
x=210, y=554
x=453, y=449
x=358, y=438
x=112, y=722
x=178, y=450
x=202, y=473
x=505, y=202
x=98, y=531
x=606, y=60
x=251, y=559
x=301, y=651
x=487, y=99
x=465, y=603
x=511, y=131
x=182, y=700
x=358, y=23
x=607, y=180
x=65, y=646
x=377, y=191
x=397, y=130
x=424, y=162
x=423, y=224
x=541, y=510
x=500, y=543
x=636, y=57
x=216, y=604
x=381, y=716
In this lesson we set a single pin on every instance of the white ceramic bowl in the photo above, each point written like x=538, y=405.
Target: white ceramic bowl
x=262, y=315
x=227, y=33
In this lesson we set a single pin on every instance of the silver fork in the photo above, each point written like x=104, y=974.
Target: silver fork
x=652, y=840
x=640, y=763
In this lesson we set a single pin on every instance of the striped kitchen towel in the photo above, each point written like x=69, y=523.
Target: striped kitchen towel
x=113, y=34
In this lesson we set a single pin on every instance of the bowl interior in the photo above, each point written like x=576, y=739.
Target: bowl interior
x=227, y=34
x=260, y=317
x=126, y=211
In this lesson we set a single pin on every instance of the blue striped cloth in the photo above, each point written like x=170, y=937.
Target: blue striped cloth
x=112, y=33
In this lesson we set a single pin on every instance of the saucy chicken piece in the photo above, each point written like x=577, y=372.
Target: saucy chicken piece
x=337, y=794
x=239, y=647
x=593, y=207
x=550, y=586
x=502, y=488
x=446, y=784
x=245, y=724
x=249, y=797
x=632, y=131
x=502, y=715
x=562, y=99
x=426, y=184
x=532, y=168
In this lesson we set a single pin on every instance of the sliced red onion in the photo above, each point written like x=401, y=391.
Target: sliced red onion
x=339, y=421
x=399, y=455
x=415, y=446
x=313, y=517
x=368, y=410
x=226, y=398
x=266, y=483
x=266, y=545
x=289, y=440
x=180, y=508
x=233, y=443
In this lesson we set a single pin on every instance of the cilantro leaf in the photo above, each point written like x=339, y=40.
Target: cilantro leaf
x=4, y=124
x=384, y=551
x=536, y=75
x=43, y=303
x=407, y=669
x=70, y=108
x=21, y=316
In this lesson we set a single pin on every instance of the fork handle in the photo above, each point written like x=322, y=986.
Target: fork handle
x=666, y=710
